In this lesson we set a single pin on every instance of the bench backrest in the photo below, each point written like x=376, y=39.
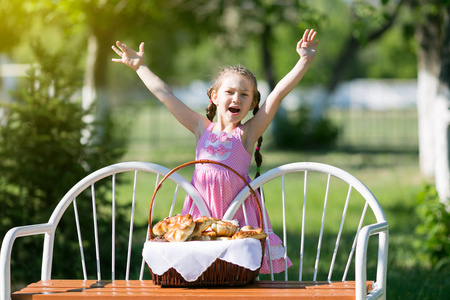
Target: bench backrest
x=147, y=184
x=144, y=176
x=307, y=203
x=319, y=212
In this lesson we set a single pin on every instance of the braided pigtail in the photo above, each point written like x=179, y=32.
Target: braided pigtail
x=211, y=109
x=258, y=156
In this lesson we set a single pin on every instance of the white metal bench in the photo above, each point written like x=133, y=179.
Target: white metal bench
x=297, y=215
x=310, y=208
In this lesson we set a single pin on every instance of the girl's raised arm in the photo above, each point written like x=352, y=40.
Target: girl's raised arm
x=190, y=119
x=306, y=48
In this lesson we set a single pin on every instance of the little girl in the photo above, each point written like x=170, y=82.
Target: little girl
x=233, y=94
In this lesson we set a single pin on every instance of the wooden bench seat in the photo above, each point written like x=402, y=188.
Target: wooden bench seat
x=145, y=289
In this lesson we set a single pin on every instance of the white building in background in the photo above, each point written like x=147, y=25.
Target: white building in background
x=376, y=94
x=369, y=94
x=9, y=74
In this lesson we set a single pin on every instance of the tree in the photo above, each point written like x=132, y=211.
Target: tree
x=42, y=154
x=442, y=118
x=101, y=23
x=242, y=21
x=430, y=23
x=108, y=21
x=369, y=23
x=13, y=24
x=433, y=99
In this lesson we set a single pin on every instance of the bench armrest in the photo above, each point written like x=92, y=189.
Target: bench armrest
x=379, y=288
x=5, y=252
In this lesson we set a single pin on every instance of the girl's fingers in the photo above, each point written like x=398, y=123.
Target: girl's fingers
x=305, y=35
x=311, y=35
x=122, y=46
x=117, y=51
x=141, y=47
x=299, y=44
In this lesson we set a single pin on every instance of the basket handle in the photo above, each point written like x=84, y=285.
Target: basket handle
x=201, y=161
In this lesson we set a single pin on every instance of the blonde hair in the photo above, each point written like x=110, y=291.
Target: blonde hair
x=212, y=108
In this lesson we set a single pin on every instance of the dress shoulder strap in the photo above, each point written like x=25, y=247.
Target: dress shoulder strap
x=210, y=126
x=237, y=133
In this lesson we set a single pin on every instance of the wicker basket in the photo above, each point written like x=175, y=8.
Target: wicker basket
x=220, y=272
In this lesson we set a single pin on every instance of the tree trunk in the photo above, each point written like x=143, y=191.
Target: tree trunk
x=267, y=56
x=88, y=93
x=428, y=34
x=346, y=59
x=269, y=71
x=442, y=119
x=95, y=79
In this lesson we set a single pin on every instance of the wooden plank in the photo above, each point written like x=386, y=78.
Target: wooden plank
x=121, y=289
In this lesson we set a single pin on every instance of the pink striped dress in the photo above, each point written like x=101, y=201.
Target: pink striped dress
x=219, y=186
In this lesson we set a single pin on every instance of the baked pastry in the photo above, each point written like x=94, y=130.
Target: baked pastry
x=201, y=237
x=179, y=232
x=177, y=228
x=234, y=222
x=211, y=234
x=247, y=228
x=249, y=232
x=161, y=227
x=201, y=224
x=224, y=228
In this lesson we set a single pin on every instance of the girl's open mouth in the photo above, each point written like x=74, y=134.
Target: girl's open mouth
x=234, y=110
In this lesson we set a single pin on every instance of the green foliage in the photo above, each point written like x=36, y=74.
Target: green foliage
x=434, y=228
x=300, y=131
x=366, y=16
x=11, y=34
x=394, y=53
x=43, y=156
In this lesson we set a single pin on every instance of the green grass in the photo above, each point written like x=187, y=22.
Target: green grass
x=393, y=177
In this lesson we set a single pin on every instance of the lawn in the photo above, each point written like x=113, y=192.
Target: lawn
x=393, y=177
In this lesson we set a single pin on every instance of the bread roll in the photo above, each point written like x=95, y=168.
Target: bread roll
x=180, y=227
x=179, y=232
x=201, y=224
x=211, y=234
x=249, y=232
x=161, y=227
x=224, y=228
x=247, y=228
x=201, y=238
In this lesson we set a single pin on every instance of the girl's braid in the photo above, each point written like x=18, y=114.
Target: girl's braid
x=211, y=109
x=258, y=156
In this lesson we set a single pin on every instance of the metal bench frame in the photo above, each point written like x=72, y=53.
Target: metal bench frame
x=359, y=248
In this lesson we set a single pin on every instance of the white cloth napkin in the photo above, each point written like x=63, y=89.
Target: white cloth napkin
x=191, y=259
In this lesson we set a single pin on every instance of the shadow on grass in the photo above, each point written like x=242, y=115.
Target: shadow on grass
x=417, y=283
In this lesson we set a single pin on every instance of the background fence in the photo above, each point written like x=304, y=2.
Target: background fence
x=375, y=130
x=359, y=130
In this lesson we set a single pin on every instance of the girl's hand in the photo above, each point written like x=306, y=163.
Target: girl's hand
x=307, y=47
x=129, y=57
